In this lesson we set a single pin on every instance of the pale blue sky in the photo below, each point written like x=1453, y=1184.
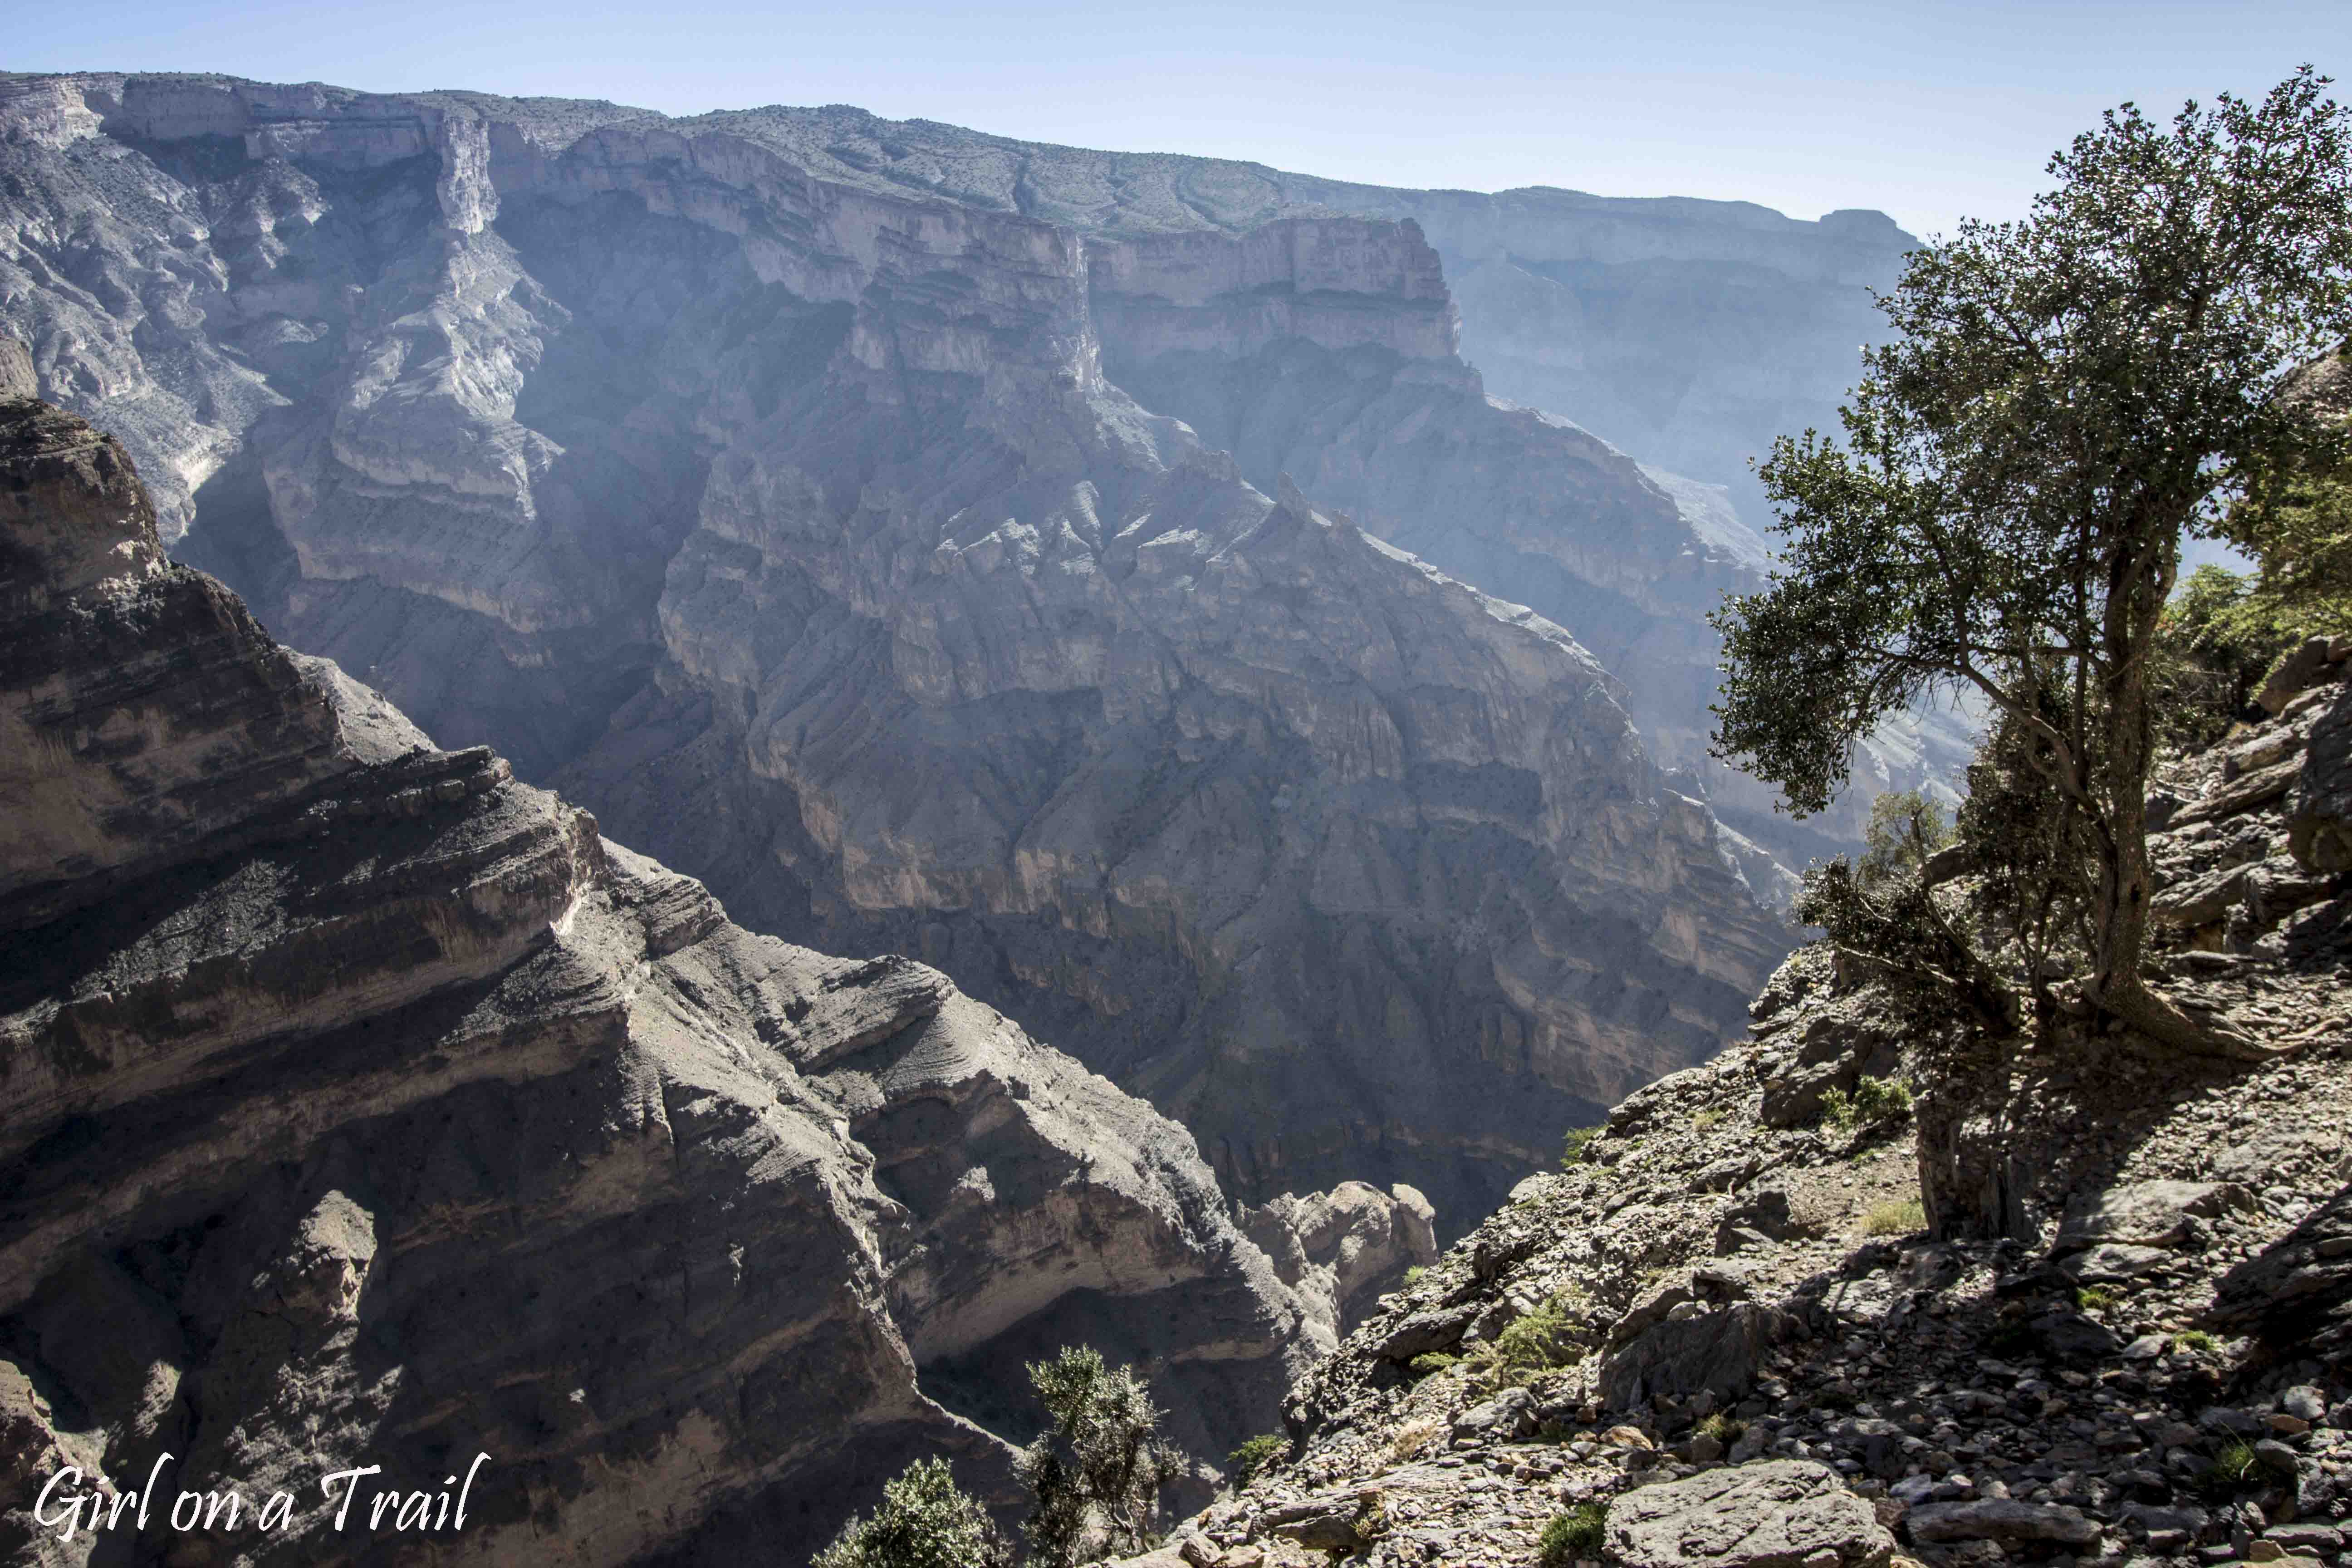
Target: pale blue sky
x=1928, y=111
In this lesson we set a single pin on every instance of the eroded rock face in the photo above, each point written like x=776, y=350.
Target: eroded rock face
x=1340, y=1250
x=786, y=516
x=363, y=1105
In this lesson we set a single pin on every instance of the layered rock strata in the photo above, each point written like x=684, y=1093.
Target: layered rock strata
x=363, y=1105
x=692, y=473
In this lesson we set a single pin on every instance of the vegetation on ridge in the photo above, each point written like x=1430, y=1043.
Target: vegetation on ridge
x=2065, y=399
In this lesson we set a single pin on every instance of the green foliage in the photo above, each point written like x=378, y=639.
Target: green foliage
x=1901, y=927
x=1412, y=1275
x=1243, y=1463
x=1724, y=1427
x=1093, y=1475
x=1903, y=1217
x=1904, y=828
x=2059, y=400
x=1572, y=1148
x=2217, y=640
x=1704, y=1120
x=2035, y=859
x=1531, y=1343
x=2235, y=1467
x=1874, y=1102
x=2091, y=1299
x=2190, y=1341
x=924, y=1522
x=1573, y=1534
x=1431, y=1362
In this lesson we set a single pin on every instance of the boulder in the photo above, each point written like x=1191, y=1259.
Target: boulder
x=16, y=376
x=2003, y=1519
x=2146, y=1214
x=1425, y=1332
x=2319, y=814
x=1715, y=1351
x=2308, y=665
x=1777, y=1514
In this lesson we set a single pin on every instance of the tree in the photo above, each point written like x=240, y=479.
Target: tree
x=1095, y=1473
x=1906, y=827
x=2066, y=395
x=924, y=1522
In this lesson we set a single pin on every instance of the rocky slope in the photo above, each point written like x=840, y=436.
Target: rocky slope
x=364, y=1105
x=687, y=468
x=1727, y=1326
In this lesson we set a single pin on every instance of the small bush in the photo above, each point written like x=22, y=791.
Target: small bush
x=1243, y=1463
x=1412, y=1275
x=2236, y=1466
x=1873, y=1102
x=1534, y=1343
x=1704, y=1120
x=1572, y=1149
x=2091, y=1299
x=1414, y=1438
x=923, y=1522
x=2189, y=1341
x=1901, y=1217
x=1093, y=1475
x=1432, y=1362
x=1724, y=1427
x=1573, y=1533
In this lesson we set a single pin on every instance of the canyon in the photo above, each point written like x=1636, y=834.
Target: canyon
x=366, y=1105
x=778, y=485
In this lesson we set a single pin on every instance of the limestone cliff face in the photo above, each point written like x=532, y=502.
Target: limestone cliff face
x=360, y=1104
x=784, y=513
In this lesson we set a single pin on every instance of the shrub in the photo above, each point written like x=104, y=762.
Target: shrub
x=1906, y=827
x=1431, y=1361
x=1414, y=1436
x=1094, y=1476
x=2091, y=1299
x=923, y=1522
x=2189, y=1341
x=1724, y=1427
x=1704, y=1120
x=1412, y=1275
x=1875, y=1102
x=1572, y=1149
x=1534, y=1343
x=1572, y=1534
x=1900, y=1217
x=1244, y=1462
x=2237, y=1465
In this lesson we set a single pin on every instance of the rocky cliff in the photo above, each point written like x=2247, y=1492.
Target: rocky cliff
x=783, y=511
x=363, y=1105
x=1749, y=1323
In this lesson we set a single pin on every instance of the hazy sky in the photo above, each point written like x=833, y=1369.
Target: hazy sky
x=1929, y=111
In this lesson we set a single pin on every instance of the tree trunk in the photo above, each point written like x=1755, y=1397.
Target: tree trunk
x=2115, y=985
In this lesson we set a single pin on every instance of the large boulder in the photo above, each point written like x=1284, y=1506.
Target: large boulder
x=2145, y=1213
x=1717, y=1351
x=1777, y=1514
x=2319, y=814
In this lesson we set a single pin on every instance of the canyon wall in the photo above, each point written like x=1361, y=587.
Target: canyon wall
x=789, y=518
x=364, y=1105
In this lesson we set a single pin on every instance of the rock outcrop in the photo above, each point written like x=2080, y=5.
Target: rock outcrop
x=781, y=512
x=365, y=1106
x=1727, y=1329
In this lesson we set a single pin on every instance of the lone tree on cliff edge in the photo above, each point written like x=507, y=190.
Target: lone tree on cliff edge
x=2068, y=395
